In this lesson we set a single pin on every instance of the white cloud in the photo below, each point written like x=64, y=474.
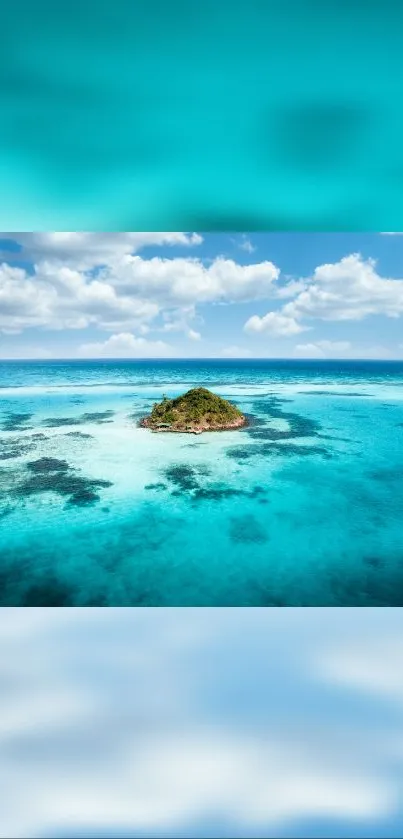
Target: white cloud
x=177, y=320
x=83, y=251
x=185, y=282
x=348, y=290
x=98, y=280
x=246, y=245
x=235, y=352
x=62, y=298
x=193, y=335
x=82, y=279
x=125, y=345
x=290, y=288
x=274, y=323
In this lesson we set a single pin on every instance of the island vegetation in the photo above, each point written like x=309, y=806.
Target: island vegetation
x=196, y=411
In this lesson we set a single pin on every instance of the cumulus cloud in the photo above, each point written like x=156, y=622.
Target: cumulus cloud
x=125, y=345
x=254, y=726
x=77, y=281
x=184, y=282
x=179, y=321
x=274, y=323
x=350, y=289
x=88, y=279
x=86, y=250
x=62, y=298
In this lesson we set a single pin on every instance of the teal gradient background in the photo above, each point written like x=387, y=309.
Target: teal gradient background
x=211, y=115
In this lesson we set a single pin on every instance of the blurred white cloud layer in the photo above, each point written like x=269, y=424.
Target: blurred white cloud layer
x=149, y=721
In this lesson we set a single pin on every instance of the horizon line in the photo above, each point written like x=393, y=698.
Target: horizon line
x=198, y=358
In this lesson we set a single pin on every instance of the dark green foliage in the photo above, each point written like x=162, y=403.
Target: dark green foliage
x=169, y=417
x=197, y=407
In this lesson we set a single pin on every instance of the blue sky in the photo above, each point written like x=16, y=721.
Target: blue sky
x=289, y=295
x=201, y=722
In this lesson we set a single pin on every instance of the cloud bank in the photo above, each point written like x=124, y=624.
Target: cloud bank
x=118, y=284
x=348, y=290
x=81, y=280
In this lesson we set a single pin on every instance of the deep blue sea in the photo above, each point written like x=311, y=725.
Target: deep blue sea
x=302, y=507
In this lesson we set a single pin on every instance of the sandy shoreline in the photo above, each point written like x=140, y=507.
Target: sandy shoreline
x=198, y=429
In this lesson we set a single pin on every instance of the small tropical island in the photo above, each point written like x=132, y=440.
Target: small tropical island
x=196, y=411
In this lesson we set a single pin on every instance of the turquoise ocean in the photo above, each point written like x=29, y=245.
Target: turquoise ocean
x=302, y=507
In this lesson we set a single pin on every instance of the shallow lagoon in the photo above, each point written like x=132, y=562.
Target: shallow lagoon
x=303, y=507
